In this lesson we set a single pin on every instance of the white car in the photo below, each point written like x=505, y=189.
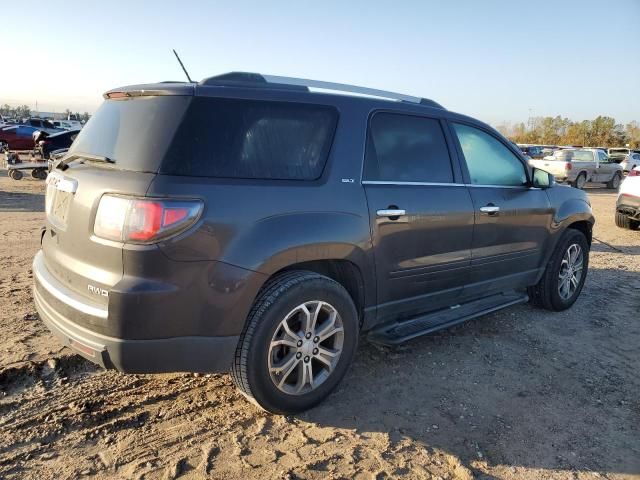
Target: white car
x=628, y=203
x=627, y=158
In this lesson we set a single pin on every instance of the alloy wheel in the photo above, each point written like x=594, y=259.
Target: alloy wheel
x=306, y=347
x=570, y=271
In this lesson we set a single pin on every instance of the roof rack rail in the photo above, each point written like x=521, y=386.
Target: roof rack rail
x=259, y=80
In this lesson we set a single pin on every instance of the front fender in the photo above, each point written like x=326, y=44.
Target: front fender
x=571, y=206
x=570, y=211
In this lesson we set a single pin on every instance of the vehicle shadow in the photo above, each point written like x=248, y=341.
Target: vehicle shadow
x=13, y=201
x=21, y=202
x=600, y=190
x=521, y=388
x=600, y=246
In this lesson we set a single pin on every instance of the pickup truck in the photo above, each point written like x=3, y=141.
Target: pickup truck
x=577, y=166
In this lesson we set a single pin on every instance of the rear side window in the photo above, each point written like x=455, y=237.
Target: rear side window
x=405, y=148
x=231, y=138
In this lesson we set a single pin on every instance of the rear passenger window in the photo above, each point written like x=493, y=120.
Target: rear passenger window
x=405, y=148
x=232, y=138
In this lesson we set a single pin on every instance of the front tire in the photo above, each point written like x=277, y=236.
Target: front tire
x=299, y=340
x=564, y=276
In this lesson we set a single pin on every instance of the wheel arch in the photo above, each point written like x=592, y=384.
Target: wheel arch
x=585, y=227
x=345, y=272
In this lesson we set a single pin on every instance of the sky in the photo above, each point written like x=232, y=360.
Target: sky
x=499, y=61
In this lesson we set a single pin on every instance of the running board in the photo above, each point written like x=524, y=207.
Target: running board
x=399, y=332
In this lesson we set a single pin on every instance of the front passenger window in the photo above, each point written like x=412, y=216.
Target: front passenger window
x=489, y=162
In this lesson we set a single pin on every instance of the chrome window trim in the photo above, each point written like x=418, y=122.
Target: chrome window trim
x=437, y=184
x=523, y=187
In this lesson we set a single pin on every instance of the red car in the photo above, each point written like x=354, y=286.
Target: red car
x=17, y=137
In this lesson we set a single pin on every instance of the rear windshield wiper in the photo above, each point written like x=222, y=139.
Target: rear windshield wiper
x=64, y=163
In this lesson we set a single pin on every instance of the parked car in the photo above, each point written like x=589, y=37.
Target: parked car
x=628, y=203
x=577, y=166
x=533, y=151
x=626, y=158
x=48, y=143
x=17, y=137
x=624, y=150
x=258, y=226
x=42, y=125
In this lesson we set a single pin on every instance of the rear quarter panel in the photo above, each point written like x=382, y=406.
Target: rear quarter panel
x=265, y=225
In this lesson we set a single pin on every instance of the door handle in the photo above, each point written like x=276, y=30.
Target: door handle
x=490, y=210
x=391, y=212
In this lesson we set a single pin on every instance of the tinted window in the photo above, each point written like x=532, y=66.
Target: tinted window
x=574, y=156
x=134, y=133
x=602, y=156
x=489, y=161
x=405, y=148
x=233, y=138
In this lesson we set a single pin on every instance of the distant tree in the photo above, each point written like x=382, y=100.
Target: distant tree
x=85, y=117
x=603, y=131
x=6, y=110
x=632, y=132
x=23, y=111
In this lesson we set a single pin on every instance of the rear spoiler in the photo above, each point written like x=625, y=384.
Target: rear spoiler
x=156, y=89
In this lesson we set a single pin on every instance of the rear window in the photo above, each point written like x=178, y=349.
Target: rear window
x=231, y=138
x=134, y=133
x=573, y=156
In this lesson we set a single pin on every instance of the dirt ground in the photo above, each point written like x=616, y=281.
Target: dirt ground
x=522, y=393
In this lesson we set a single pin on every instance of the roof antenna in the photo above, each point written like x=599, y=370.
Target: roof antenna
x=182, y=65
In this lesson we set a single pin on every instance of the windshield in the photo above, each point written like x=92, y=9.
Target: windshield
x=134, y=133
x=573, y=156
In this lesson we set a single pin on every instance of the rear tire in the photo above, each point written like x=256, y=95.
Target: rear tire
x=16, y=174
x=549, y=293
x=614, y=183
x=623, y=221
x=281, y=344
x=580, y=181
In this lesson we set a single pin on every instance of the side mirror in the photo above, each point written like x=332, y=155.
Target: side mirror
x=542, y=179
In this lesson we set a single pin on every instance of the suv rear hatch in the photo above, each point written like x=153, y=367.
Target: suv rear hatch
x=118, y=151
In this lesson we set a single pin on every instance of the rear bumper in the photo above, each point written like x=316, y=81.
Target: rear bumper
x=174, y=354
x=629, y=205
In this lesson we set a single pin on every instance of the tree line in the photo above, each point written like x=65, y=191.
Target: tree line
x=24, y=111
x=601, y=132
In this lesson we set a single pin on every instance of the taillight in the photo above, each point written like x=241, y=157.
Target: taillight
x=634, y=173
x=143, y=220
x=567, y=166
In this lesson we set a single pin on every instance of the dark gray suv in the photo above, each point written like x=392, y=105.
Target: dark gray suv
x=262, y=224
